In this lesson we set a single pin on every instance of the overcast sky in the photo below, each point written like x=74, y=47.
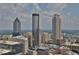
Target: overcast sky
x=69, y=14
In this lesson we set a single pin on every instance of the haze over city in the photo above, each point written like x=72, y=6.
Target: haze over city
x=69, y=15
x=39, y=29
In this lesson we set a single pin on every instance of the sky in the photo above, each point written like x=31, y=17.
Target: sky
x=69, y=14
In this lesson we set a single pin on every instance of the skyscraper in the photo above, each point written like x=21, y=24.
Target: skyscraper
x=16, y=27
x=56, y=28
x=35, y=29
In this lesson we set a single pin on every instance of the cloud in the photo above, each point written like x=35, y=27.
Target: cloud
x=47, y=16
x=8, y=13
x=56, y=7
x=52, y=9
x=70, y=22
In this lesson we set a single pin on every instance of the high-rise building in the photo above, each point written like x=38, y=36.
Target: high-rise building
x=29, y=36
x=35, y=29
x=56, y=28
x=16, y=27
x=44, y=37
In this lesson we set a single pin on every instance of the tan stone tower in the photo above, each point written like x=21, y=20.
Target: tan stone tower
x=44, y=37
x=56, y=28
x=29, y=36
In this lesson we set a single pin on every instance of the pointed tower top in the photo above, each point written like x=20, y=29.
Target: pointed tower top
x=56, y=15
x=17, y=19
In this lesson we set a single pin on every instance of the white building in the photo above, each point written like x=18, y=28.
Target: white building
x=24, y=42
x=56, y=28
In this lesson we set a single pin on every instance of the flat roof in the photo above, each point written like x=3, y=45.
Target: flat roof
x=74, y=44
x=42, y=47
x=54, y=45
x=71, y=53
x=20, y=37
x=35, y=14
x=9, y=42
x=3, y=51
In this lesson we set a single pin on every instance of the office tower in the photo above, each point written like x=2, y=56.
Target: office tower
x=29, y=36
x=35, y=29
x=16, y=27
x=44, y=37
x=56, y=28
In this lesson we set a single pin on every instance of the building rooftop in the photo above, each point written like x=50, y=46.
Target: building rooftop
x=20, y=37
x=63, y=47
x=35, y=14
x=3, y=51
x=43, y=48
x=71, y=53
x=9, y=42
x=54, y=46
x=69, y=44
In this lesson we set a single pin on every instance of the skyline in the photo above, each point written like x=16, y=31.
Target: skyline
x=68, y=13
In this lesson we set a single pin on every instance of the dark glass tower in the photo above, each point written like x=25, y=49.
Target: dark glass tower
x=16, y=27
x=35, y=29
